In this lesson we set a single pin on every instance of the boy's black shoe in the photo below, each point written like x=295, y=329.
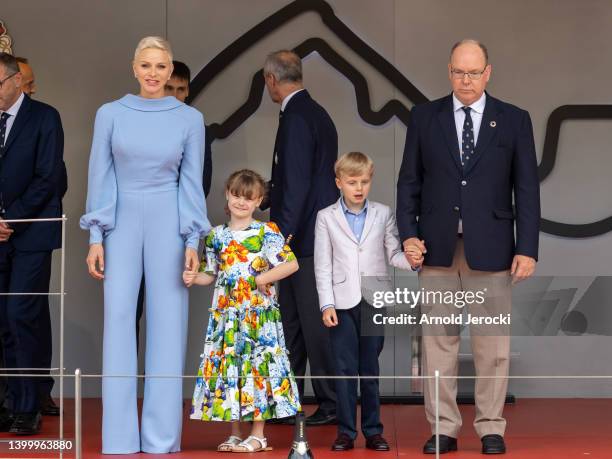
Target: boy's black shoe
x=377, y=443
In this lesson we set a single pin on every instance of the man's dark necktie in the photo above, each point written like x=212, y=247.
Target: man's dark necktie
x=3, y=118
x=467, y=137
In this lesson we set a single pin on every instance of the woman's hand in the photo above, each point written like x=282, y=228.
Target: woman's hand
x=189, y=278
x=96, y=257
x=192, y=263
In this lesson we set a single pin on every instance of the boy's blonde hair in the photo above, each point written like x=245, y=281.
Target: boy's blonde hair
x=246, y=183
x=354, y=163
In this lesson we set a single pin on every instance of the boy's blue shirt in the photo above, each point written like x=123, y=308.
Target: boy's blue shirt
x=356, y=222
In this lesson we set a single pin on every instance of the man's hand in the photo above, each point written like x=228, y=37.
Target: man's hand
x=415, y=249
x=330, y=319
x=192, y=263
x=522, y=268
x=95, y=261
x=5, y=231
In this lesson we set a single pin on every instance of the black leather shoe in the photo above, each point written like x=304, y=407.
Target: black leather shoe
x=342, y=443
x=447, y=444
x=26, y=424
x=320, y=418
x=493, y=444
x=48, y=407
x=6, y=419
x=377, y=443
x=288, y=421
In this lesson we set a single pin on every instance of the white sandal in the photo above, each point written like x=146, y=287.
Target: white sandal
x=228, y=445
x=247, y=447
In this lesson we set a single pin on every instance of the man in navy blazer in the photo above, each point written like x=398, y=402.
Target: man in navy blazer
x=466, y=157
x=32, y=182
x=303, y=182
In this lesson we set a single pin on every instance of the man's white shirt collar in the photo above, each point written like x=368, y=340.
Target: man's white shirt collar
x=16, y=106
x=477, y=106
x=288, y=98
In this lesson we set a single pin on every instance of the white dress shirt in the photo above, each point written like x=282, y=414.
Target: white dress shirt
x=476, y=115
x=288, y=98
x=11, y=119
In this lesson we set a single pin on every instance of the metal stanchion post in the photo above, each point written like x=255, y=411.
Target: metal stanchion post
x=62, y=294
x=78, y=445
x=437, y=396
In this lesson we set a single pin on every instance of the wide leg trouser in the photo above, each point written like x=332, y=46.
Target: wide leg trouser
x=145, y=240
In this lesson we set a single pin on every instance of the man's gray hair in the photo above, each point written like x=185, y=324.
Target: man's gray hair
x=285, y=65
x=9, y=63
x=471, y=41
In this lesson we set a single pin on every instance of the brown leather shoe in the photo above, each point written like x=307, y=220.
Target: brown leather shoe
x=343, y=443
x=377, y=443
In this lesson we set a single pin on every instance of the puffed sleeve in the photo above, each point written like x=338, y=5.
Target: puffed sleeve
x=102, y=181
x=210, y=263
x=192, y=206
x=275, y=249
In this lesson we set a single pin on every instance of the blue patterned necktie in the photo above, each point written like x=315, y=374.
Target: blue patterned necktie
x=3, y=119
x=467, y=137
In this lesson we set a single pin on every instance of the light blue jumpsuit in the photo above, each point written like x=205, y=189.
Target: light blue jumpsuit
x=145, y=203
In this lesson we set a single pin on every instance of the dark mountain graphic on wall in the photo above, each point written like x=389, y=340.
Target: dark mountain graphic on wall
x=392, y=108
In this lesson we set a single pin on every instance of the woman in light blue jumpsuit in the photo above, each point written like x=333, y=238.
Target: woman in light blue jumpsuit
x=145, y=204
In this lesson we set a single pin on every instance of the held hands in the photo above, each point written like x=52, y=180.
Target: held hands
x=330, y=319
x=522, y=268
x=192, y=266
x=5, y=231
x=415, y=249
x=95, y=261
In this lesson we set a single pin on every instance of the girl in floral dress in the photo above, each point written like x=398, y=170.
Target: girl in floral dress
x=245, y=373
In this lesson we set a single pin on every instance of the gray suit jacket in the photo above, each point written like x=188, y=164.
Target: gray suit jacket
x=343, y=265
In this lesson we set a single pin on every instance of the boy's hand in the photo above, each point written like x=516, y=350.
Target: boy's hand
x=330, y=319
x=189, y=277
x=414, y=249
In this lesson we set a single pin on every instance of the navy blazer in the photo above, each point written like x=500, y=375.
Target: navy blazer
x=434, y=191
x=33, y=176
x=303, y=179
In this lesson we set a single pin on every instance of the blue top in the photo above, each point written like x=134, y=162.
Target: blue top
x=356, y=221
x=145, y=145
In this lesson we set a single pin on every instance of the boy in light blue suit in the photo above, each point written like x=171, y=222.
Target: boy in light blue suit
x=352, y=237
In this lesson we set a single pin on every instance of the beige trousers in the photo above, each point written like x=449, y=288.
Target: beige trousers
x=490, y=342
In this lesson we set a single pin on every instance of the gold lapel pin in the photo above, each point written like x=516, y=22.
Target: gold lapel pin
x=493, y=124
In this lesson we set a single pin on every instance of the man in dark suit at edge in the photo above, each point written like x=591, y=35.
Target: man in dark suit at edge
x=466, y=156
x=32, y=182
x=303, y=182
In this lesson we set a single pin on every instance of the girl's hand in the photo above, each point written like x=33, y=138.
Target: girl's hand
x=192, y=263
x=189, y=278
x=96, y=257
x=330, y=319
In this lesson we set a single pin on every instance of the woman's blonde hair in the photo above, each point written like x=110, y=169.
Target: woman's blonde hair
x=155, y=43
x=247, y=183
x=353, y=164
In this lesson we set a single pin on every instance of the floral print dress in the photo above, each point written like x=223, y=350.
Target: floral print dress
x=245, y=372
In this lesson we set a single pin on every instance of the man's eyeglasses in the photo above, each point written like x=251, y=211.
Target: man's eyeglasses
x=460, y=74
x=7, y=78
